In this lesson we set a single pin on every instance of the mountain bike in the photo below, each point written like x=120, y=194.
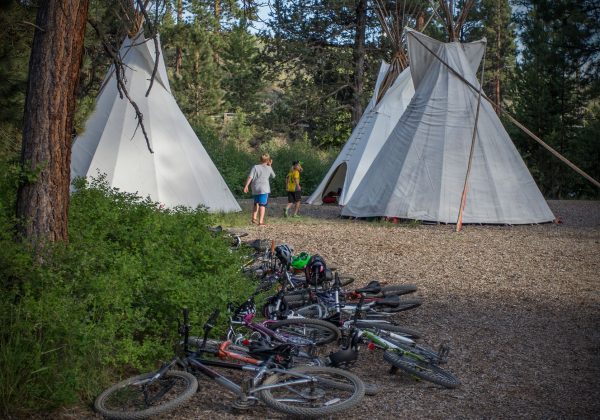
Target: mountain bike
x=307, y=391
x=297, y=331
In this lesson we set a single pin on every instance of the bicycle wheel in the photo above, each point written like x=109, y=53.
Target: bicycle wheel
x=385, y=326
x=421, y=368
x=329, y=391
x=319, y=331
x=398, y=289
x=316, y=310
x=136, y=398
x=403, y=305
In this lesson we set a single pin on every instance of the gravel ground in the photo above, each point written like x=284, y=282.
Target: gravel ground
x=520, y=306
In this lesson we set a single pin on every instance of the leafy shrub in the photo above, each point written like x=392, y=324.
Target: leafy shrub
x=107, y=301
x=234, y=163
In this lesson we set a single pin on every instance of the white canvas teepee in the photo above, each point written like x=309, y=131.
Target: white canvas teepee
x=369, y=135
x=179, y=172
x=420, y=171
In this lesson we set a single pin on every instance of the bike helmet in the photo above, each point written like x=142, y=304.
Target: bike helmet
x=316, y=270
x=248, y=307
x=284, y=254
x=299, y=261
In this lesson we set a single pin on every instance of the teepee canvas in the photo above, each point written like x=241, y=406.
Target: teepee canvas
x=373, y=128
x=420, y=171
x=179, y=172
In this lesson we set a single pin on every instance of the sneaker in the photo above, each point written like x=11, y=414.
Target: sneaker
x=296, y=216
x=286, y=212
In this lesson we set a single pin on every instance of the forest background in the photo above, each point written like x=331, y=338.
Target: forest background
x=293, y=77
x=286, y=77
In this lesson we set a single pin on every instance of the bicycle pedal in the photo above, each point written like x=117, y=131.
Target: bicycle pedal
x=443, y=353
x=243, y=404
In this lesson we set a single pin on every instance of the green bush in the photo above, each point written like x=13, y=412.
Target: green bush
x=234, y=163
x=109, y=300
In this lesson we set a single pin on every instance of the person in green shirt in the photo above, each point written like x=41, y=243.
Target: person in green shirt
x=293, y=189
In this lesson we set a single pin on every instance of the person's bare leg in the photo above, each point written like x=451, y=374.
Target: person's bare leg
x=297, y=208
x=261, y=211
x=255, y=213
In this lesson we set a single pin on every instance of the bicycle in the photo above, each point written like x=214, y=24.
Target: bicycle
x=402, y=352
x=307, y=391
x=298, y=331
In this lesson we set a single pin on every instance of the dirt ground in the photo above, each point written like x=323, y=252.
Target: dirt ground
x=520, y=306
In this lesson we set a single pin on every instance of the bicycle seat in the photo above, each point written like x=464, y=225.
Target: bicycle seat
x=342, y=357
x=263, y=349
x=388, y=301
x=373, y=288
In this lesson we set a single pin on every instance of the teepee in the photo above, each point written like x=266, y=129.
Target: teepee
x=178, y=171
x=420, y=171
x=393, y=91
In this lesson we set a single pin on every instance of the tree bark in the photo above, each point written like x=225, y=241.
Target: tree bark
x=359, y=60
x=498, y=63
x=54, y=65
x=179, y=53
x=217, y=10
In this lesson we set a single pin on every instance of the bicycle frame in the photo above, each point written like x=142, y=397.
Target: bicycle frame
x=263, y=329
x=202, y=365
x=388, y=345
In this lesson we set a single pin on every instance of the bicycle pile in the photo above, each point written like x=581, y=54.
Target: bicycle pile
x=312, y=307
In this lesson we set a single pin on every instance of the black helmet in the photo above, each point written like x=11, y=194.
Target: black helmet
x=316, y=270
x=284, y=254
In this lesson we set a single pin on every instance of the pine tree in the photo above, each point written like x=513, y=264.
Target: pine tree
x=553, y=86
x=243, y=71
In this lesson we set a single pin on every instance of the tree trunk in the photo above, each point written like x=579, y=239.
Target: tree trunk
x=179, y=53
x=217, y=15
x=54, y=65
x=498, y=63
x=359, y=60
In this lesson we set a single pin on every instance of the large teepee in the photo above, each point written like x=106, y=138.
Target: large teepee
x=179, y=171
x=393, y=91
x=420, y=172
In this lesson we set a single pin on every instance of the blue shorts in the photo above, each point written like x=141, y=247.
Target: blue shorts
x=261, y=199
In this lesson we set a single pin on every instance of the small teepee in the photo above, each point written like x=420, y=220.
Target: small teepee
x=178, y=171
x=420, y=172
x=393, y=91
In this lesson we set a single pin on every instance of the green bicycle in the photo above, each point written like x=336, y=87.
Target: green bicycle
x=403, y=353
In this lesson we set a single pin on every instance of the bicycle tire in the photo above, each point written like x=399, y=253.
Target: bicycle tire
x=398, y=290
x=133, y=406
x=325, y=378
x=388, y=327
x=330, y=332
x=422, y=369
x=313, y=311
x=404, y=305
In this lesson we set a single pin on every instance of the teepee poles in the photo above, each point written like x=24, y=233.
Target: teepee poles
x=463, y=199
x=393, y=27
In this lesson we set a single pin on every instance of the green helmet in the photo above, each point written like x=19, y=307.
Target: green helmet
x=299, y=261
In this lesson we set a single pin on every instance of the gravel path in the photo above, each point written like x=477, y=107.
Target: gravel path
x=520, y=306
